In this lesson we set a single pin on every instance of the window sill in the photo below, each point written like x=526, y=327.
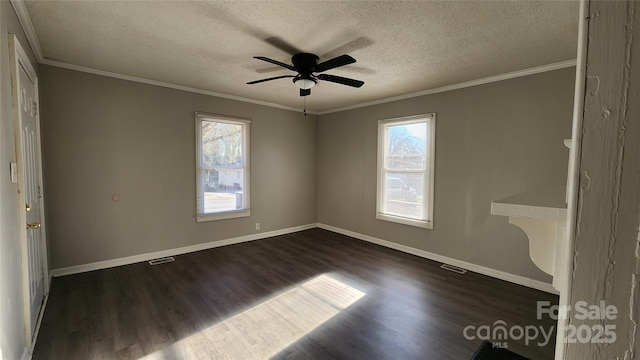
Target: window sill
x=223, y=215
x=425, y=224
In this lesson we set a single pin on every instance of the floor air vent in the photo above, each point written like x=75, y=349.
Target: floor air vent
x=455, y=269
x=161, y=260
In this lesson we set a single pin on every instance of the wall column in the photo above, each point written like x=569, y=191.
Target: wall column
x=607, y=252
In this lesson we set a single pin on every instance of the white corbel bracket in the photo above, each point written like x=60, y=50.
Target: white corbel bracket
x=542, y=215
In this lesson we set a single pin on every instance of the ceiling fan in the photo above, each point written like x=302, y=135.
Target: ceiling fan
x=305, y=65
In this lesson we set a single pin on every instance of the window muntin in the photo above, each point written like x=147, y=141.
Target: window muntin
x=405, y=170
x=222, y=167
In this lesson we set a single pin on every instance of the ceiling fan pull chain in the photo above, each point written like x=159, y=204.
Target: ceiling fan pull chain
x=305, y=106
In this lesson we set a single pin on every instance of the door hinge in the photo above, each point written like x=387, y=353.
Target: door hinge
x=35, y=108
x=39, y=192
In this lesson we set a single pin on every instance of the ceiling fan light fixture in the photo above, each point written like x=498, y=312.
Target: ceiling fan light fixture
x=305, y=83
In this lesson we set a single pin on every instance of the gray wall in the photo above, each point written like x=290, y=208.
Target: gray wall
x=492, y=141
x=12, y=327
x=105, y=136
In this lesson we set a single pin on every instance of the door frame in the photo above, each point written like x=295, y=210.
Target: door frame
x=573, y=175
x=18, y=58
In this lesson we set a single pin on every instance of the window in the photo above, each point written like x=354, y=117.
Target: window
x=222, y=167
x=405, y=170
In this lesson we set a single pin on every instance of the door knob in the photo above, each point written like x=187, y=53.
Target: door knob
x=33, y=225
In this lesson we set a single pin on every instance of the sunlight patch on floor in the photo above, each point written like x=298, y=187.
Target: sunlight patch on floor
x=270, y=327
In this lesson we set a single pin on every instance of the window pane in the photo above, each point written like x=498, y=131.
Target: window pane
x=223, y=166
x=221, y=144
x=406, y=146
x=404, y=195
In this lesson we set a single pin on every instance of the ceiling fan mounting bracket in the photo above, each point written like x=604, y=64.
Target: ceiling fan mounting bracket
x=305, y=62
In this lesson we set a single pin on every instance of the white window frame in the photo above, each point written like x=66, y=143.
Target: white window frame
x=430, y=119
x=246, y=210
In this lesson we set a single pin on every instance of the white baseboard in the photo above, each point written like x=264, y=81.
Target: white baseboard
x=516, y=279
x=172, y=252
x=39, y=322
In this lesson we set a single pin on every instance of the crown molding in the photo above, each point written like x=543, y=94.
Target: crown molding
x=25, y=20
x=167, y=85
x=32, y=37
x=462, y=85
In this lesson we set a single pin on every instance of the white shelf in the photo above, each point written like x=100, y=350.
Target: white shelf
x=547, y=203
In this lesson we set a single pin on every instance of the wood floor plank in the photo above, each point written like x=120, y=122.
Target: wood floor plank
x=313, y=294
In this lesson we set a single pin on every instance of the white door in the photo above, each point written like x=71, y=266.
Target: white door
x=24, y=83
x=32, y=194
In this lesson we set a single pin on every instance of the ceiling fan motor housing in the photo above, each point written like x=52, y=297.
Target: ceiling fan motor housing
x=305, y=63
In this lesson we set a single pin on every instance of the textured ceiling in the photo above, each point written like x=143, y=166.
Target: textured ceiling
x=400, y=47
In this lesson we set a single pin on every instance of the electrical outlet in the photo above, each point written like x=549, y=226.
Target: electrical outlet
x=257, y=226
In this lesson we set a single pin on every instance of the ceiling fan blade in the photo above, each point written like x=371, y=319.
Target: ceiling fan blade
x=269, y=79
x=341, y=80
x=305, y=92
x=276, y=62
x=282, y=45
x=269, y=69
x=334, y=63
x=351, y=46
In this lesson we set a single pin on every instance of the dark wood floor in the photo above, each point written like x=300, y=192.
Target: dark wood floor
x=308, y=295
